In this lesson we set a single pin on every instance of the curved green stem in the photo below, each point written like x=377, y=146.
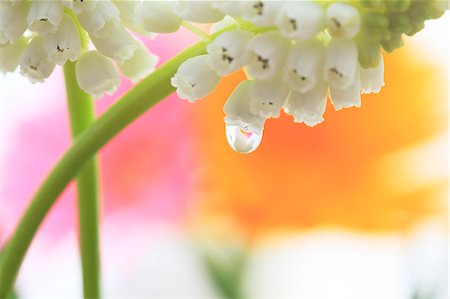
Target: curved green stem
x=143, y=96
x=82, y=115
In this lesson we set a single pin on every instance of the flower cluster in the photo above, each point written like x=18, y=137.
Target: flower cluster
x=295, y=54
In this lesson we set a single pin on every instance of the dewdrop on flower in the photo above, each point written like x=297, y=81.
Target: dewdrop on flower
x=243, y=129
x=139, y=66
x=197, y=11
x=301, y=20
x=372, y=79
x=347, y=97
x=34, y=63
x=44, y=16
x=267, y=97
x=96, y=74
x=65, y=43
x=343, y=20
x=304, y=65
x=13, y=21
x=157, y=16
x=10, y=55
x=267, y=54
x=115, y=42
x=227, y=53
x=308, y=107
x=94, y=20
x=195, y=79
x=341, y=63
x=260, y=13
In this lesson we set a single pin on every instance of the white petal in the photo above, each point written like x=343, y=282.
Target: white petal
x=304, y=65
x=10, y=55
x=65, y=43
x=343, y=20
x=157, y=16
x=347, y=97
x=94, y=20
x=34, y=63
x=341, y=63
x=13, y=21
x=117, y=43
x=260, y=13
x=226, y=22
x=79, y=6
x=237, y=110
x=228, y=7
x=141, y=65
x=96, y=74
x=195, y=79
x=372, y=80
x=227, y=53
x=44, y=16
x=308, y=107
x=301, y=20
x=197, y=11
x=267, y=97
x=267, y=55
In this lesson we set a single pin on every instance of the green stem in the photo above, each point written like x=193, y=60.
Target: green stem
x=82, y=115
x=142, y=97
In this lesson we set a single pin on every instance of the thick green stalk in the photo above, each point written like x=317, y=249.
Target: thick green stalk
x=142, y=97
x=82, y=115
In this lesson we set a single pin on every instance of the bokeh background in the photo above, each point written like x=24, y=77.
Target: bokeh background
x=353, y=208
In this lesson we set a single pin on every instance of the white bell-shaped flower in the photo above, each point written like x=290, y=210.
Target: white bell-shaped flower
x=197, y=11
x=224, y=24
x=157, y=16
x=304, y=65
x=128, y=11
x=96, y=74
x=343, y=20
x=80, y=6
x=65, y=43
x=301, y=20
x=308, y=107
x=13, y=21
x=94, y=20
x=228, y=7
x=139, y=66
x=227, y=53
x=195, y=79
x=341, y=63
x=34, y=63
x=267, y=55
x=116, y=42
x=44, y=16
x=347, y=97
x=10, y=55
x=372, y=79
x=267, y=97
x=260, y=13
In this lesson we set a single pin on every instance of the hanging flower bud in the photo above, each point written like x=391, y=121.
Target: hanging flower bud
x=243, y=129
x=228, y=7
x=116, y=42
x=65, y=43
x=267, y=54
x=227, y=53
x=195, y=79
x=372, y=79
x=260, y=13
x=34, y=63
x=347, y=97
x=197, y=11
x=301, y=20
x=267, y=97
x=341, y=63
x=308, y=107
x=343, y=20
x=80, y=6
x=44, y=16
x=142, y=64
x=96, y=74
x=157, y=16
x=13, y=21
x=10, y=55
x=304, y=65
x=94, y=20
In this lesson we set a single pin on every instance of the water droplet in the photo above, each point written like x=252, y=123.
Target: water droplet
x=242, y=141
